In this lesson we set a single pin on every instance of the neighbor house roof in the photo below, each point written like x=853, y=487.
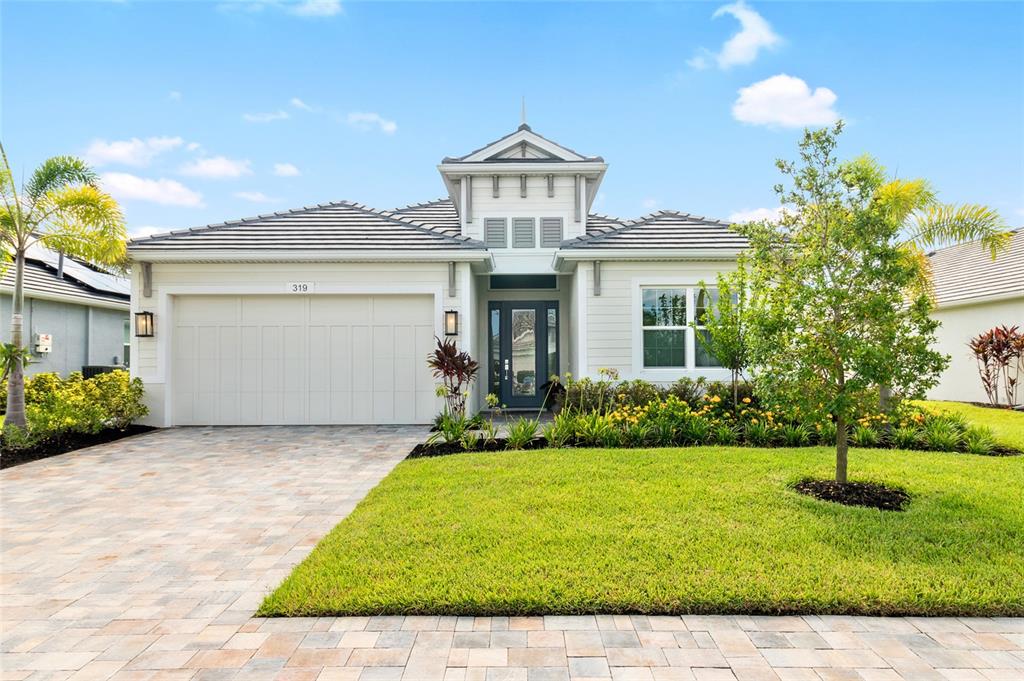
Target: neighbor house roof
x=665, y=229
x=439, y=215
x=968, y=272
x=339, y=226
x=79, y=283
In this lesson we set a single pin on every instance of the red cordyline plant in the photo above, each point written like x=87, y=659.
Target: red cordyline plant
x=1000, y=356
x=457, y=371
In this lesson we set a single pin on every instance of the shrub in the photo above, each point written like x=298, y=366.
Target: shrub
x=457, y=371
x=795, y=435
x=594, y=429
x=906, y=437
x=723, y=391
x=724, y=434
x=942, y=434
x=827, y=433
x=979, y=440
x=521, y=433
x=451, y=428
x=688, y=389
x=588, y=396
x=636, y=393
x=864, y=436
x=122, y=397
x=758, y=433
x=561, y=430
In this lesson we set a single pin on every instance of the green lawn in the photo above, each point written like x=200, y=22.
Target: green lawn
x=670, y=531
x=1007, y=425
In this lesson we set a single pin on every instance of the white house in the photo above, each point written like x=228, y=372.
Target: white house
x=326, y=314
x=973, y=294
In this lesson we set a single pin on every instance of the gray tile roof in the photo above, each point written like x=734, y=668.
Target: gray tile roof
x=965, y=272
x=341, y=225
x=664, y=229
x=439, y=215
x=41, y=278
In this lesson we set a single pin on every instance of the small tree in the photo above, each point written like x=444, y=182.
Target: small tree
x=1000, y=356
x=827, y=314
x=725, y=329
x=62, y=208
x=457, y=371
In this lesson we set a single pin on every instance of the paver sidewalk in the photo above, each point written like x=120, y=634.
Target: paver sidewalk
x=144, y=560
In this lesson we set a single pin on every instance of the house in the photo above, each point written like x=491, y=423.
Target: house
x=973, y=294
x=326, y=314
x=74, y=314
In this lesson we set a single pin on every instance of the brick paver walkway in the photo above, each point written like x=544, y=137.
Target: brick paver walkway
x=143, y=560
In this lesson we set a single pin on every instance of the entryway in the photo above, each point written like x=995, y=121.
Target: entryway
x=523, y=350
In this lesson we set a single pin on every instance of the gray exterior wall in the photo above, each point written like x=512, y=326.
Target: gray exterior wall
x=81, y=334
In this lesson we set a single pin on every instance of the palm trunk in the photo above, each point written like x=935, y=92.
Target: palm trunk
x=16, y=379
x=842, y=448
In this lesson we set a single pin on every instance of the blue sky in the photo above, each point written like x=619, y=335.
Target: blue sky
x=199, y=112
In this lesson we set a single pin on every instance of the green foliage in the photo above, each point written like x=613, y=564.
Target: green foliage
x=9, y=355
x=689, y=390
x=586, y=395
x=636, y=393
x=56, y=407
x=451, y=427
x=828, y=319
x=594, y=429
x=942, y=434
x=864, y=436
x=521, y=433
x=795, y=435
x=561, y=431
x=758, y=433
x=724, y=434
x=457, y=371
x=979, y=440
x=906, y=437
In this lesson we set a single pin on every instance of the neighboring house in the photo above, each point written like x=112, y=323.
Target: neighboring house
x=83, y=310
x=326, y=314
x=974, y=293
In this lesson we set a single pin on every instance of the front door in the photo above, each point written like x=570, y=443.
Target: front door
x=523, y=351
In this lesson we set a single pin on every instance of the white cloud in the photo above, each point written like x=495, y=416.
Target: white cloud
x=145, y=230
x=125, y=186
x=785, y=101
x=370, y=120
x=755, y=34
x=193, y=146
x=174, y=96
x=299, y=8
x=133, y=152
x=217, y=168
x=755, y=214
x=650, y=204
x=698, y=62
x=286, y=170
x=299, y=104
x=266, y=117
x=255, y=197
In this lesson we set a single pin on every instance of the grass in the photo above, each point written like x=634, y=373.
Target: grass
x=1008, y=425
x=695, y=530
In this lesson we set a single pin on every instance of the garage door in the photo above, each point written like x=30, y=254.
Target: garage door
x=302, y=360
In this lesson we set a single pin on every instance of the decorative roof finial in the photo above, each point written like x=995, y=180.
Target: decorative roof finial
x=522, y=116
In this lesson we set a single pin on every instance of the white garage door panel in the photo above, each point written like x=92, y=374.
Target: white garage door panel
x=298, y=360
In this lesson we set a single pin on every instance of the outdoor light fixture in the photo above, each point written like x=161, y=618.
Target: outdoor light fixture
x=451, y=323
x=144, y=324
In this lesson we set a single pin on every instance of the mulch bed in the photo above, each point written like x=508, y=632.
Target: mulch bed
x=870, y=494
x=500, y=444
x=68, y=443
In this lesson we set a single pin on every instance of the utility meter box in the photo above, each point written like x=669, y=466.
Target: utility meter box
x=44, y=343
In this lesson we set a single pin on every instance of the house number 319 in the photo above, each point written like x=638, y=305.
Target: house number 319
x=300, y=287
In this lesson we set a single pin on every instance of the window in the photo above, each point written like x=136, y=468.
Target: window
x=663, y=321
x=495, y=233
x=523, y=233
x=704, y=304
x=550, y=232
x=127, y=343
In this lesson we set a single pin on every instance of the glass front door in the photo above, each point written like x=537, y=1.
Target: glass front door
x=523, y=351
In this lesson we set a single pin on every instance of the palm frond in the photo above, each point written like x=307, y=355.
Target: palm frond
x=59, y=173
x=84, y=222
x=902, y=198
x=923, y=282
x=947, y=224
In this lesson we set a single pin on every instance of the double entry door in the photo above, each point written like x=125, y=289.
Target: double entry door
x=523, y=353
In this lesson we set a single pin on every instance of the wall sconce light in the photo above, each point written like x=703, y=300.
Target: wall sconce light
x=451, y=323
x=144, y=324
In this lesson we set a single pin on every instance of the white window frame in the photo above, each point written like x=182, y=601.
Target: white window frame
x=700, y=327
x=687, y=335
x=668, y=374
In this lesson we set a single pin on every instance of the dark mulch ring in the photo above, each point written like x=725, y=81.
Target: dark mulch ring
x=65, y=444
x=870, y=494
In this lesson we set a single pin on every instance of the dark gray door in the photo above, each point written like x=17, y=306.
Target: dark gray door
x=523, y=351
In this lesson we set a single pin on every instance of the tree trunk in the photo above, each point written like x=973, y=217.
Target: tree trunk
x=735, y=396
x=16, y=379
x=841, y=449
x=885, y=398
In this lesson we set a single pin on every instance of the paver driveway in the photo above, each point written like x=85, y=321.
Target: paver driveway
x=143, y=560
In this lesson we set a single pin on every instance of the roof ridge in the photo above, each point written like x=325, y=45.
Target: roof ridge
x=422, y=204
x=628, y=224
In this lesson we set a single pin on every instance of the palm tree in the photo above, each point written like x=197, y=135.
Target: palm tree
x=931, y=224
x=62, y=208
